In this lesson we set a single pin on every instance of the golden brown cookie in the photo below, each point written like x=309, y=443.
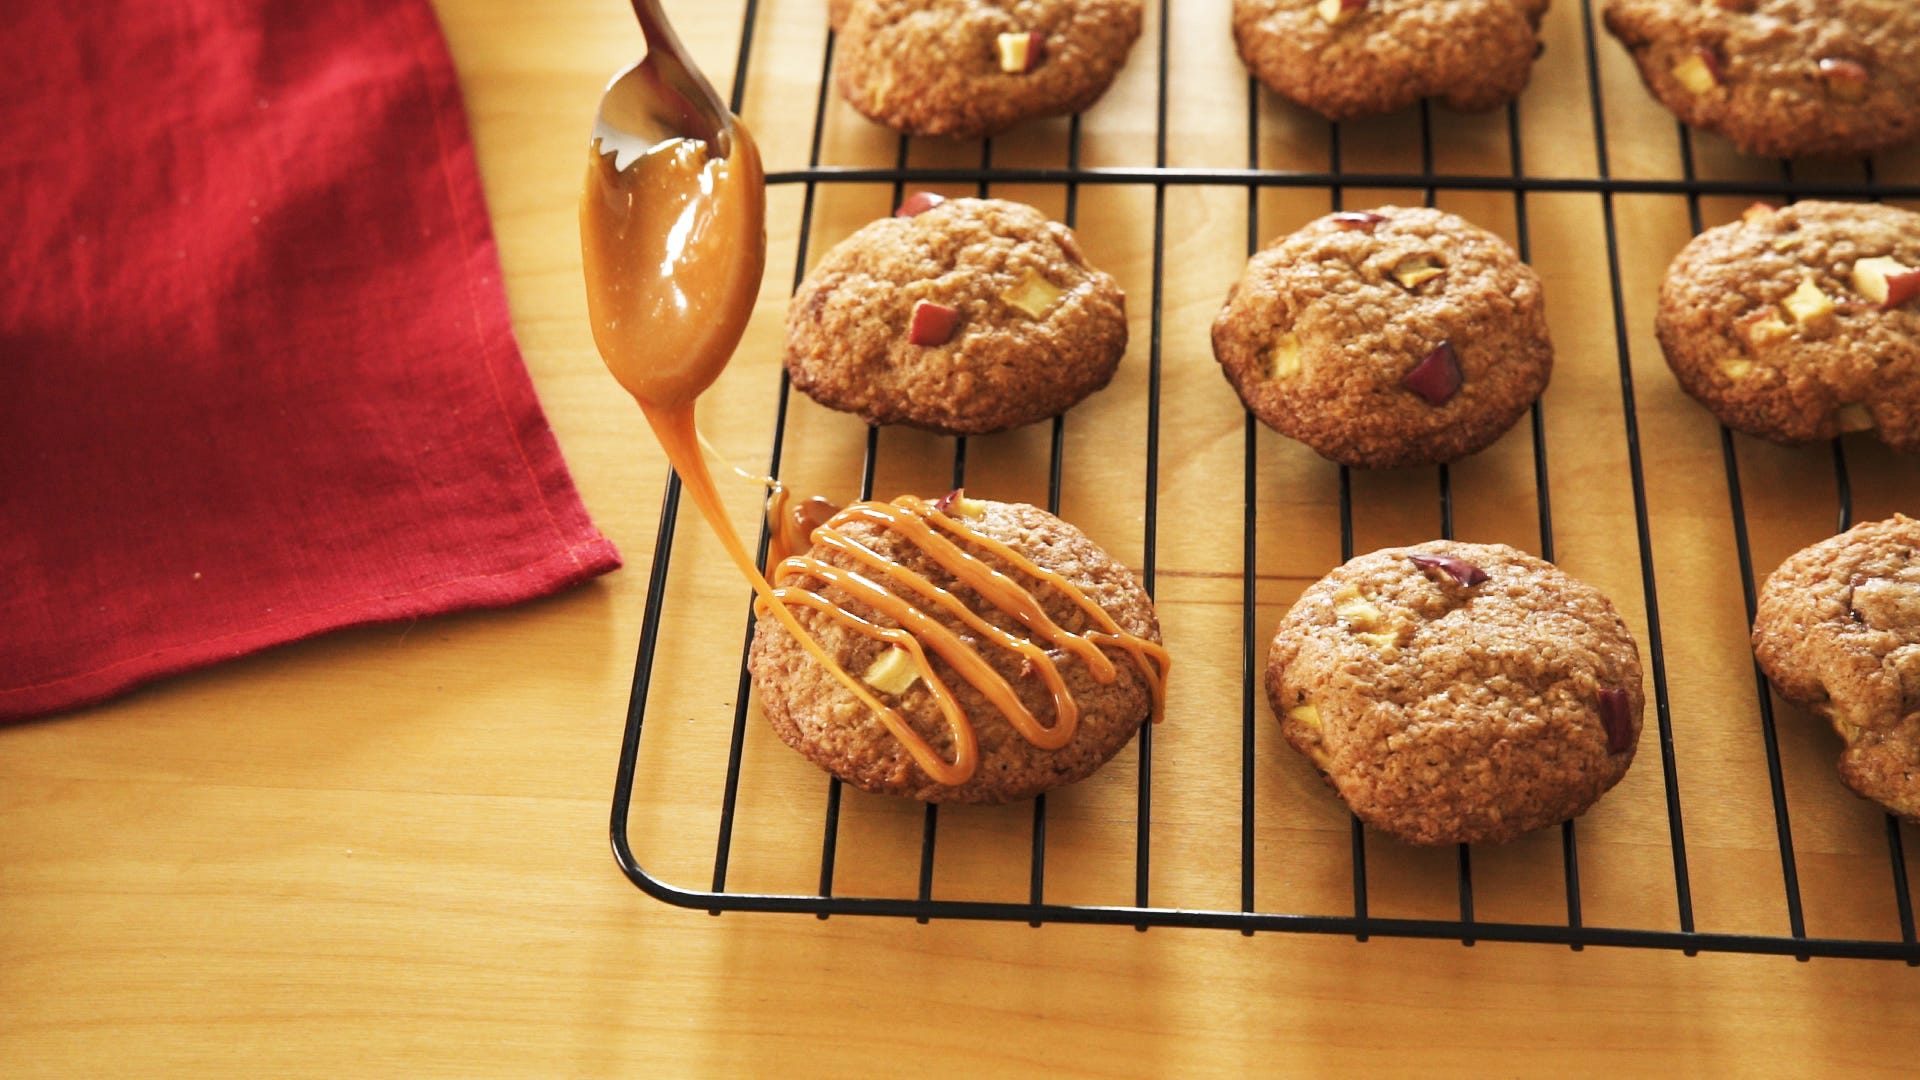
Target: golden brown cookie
x=1801, y=322
x=1387, y=338
x=1455, y=692
x=1838, y=632
x=968, y=68
x=1781, y=77
x=1348, y=58
x=971, y=316
x=817, y=715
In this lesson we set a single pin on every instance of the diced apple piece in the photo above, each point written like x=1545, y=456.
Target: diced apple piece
x=1763, y=328
x=1358, y=220
x=1870, y=276
x=1698, y=71
x=803, y=519
x=1335, y=12
x=1356, y=610
x=1309, y=717
x=1902, y=288
x=1286, y=357
x=918, y=203
x=1757, y=211
x=893, y=673
x=1886, y=281
x=1882, y=601
x=1033, y=294
x=955, y=502
x=1736, y=368
x=1460, y=570
x=1846, y=79
x=1616, y=714
x=932, y=323
x=1415, y=269
x=1854, y=418
x=1021, y=52
x=1809, y=306
x=1365, y=619
x=1437, y=377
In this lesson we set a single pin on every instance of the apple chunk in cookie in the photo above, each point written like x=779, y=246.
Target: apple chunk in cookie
x=1886, y=281
x=1021, y=52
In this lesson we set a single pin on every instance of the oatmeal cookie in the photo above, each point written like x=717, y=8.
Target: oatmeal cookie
x=1781, y=78
x=1387, y=338
x=1801, y=322
x=1360, y=57
x=1838, y=632
x=1454, y=692
x=818, y=716
x=969, y=68
x=971, y=316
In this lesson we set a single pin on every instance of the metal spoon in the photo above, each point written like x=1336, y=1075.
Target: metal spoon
x=662, y=97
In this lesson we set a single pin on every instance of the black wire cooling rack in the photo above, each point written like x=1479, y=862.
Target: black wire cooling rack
x=1574, y=930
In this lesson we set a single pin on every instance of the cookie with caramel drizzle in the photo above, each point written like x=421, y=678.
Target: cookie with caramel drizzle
x=999, y=652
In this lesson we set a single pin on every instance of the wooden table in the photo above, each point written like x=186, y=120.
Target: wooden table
x=385, y=852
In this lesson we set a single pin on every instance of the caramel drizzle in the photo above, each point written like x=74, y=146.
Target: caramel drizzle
x=920, y=634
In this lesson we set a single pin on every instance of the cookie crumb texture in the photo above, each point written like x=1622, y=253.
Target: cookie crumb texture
x=1838, y=632
x=1781, y=78
x=1038, y=329
x=1321, y=332
x=1446, y=713
x=932, y=67
x=1765, y=322
x=814, y=714
x=1384, y=55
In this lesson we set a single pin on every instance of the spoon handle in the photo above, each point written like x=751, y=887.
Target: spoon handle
x=657, y=30
x=701, y=111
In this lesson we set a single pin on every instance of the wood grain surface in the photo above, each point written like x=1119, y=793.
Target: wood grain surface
x=385, y=852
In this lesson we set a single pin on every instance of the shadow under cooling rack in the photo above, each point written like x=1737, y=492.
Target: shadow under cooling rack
x=1573, y=930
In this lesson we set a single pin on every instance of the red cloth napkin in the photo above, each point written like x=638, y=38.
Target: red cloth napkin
x=256, y=376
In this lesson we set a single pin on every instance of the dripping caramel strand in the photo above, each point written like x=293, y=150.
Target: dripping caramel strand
x=918, y=632
x=789, y=532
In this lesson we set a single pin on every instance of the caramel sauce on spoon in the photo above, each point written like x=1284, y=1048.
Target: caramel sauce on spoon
x=673, y=246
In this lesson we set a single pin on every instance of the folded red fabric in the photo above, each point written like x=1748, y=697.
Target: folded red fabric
x=256, y=375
